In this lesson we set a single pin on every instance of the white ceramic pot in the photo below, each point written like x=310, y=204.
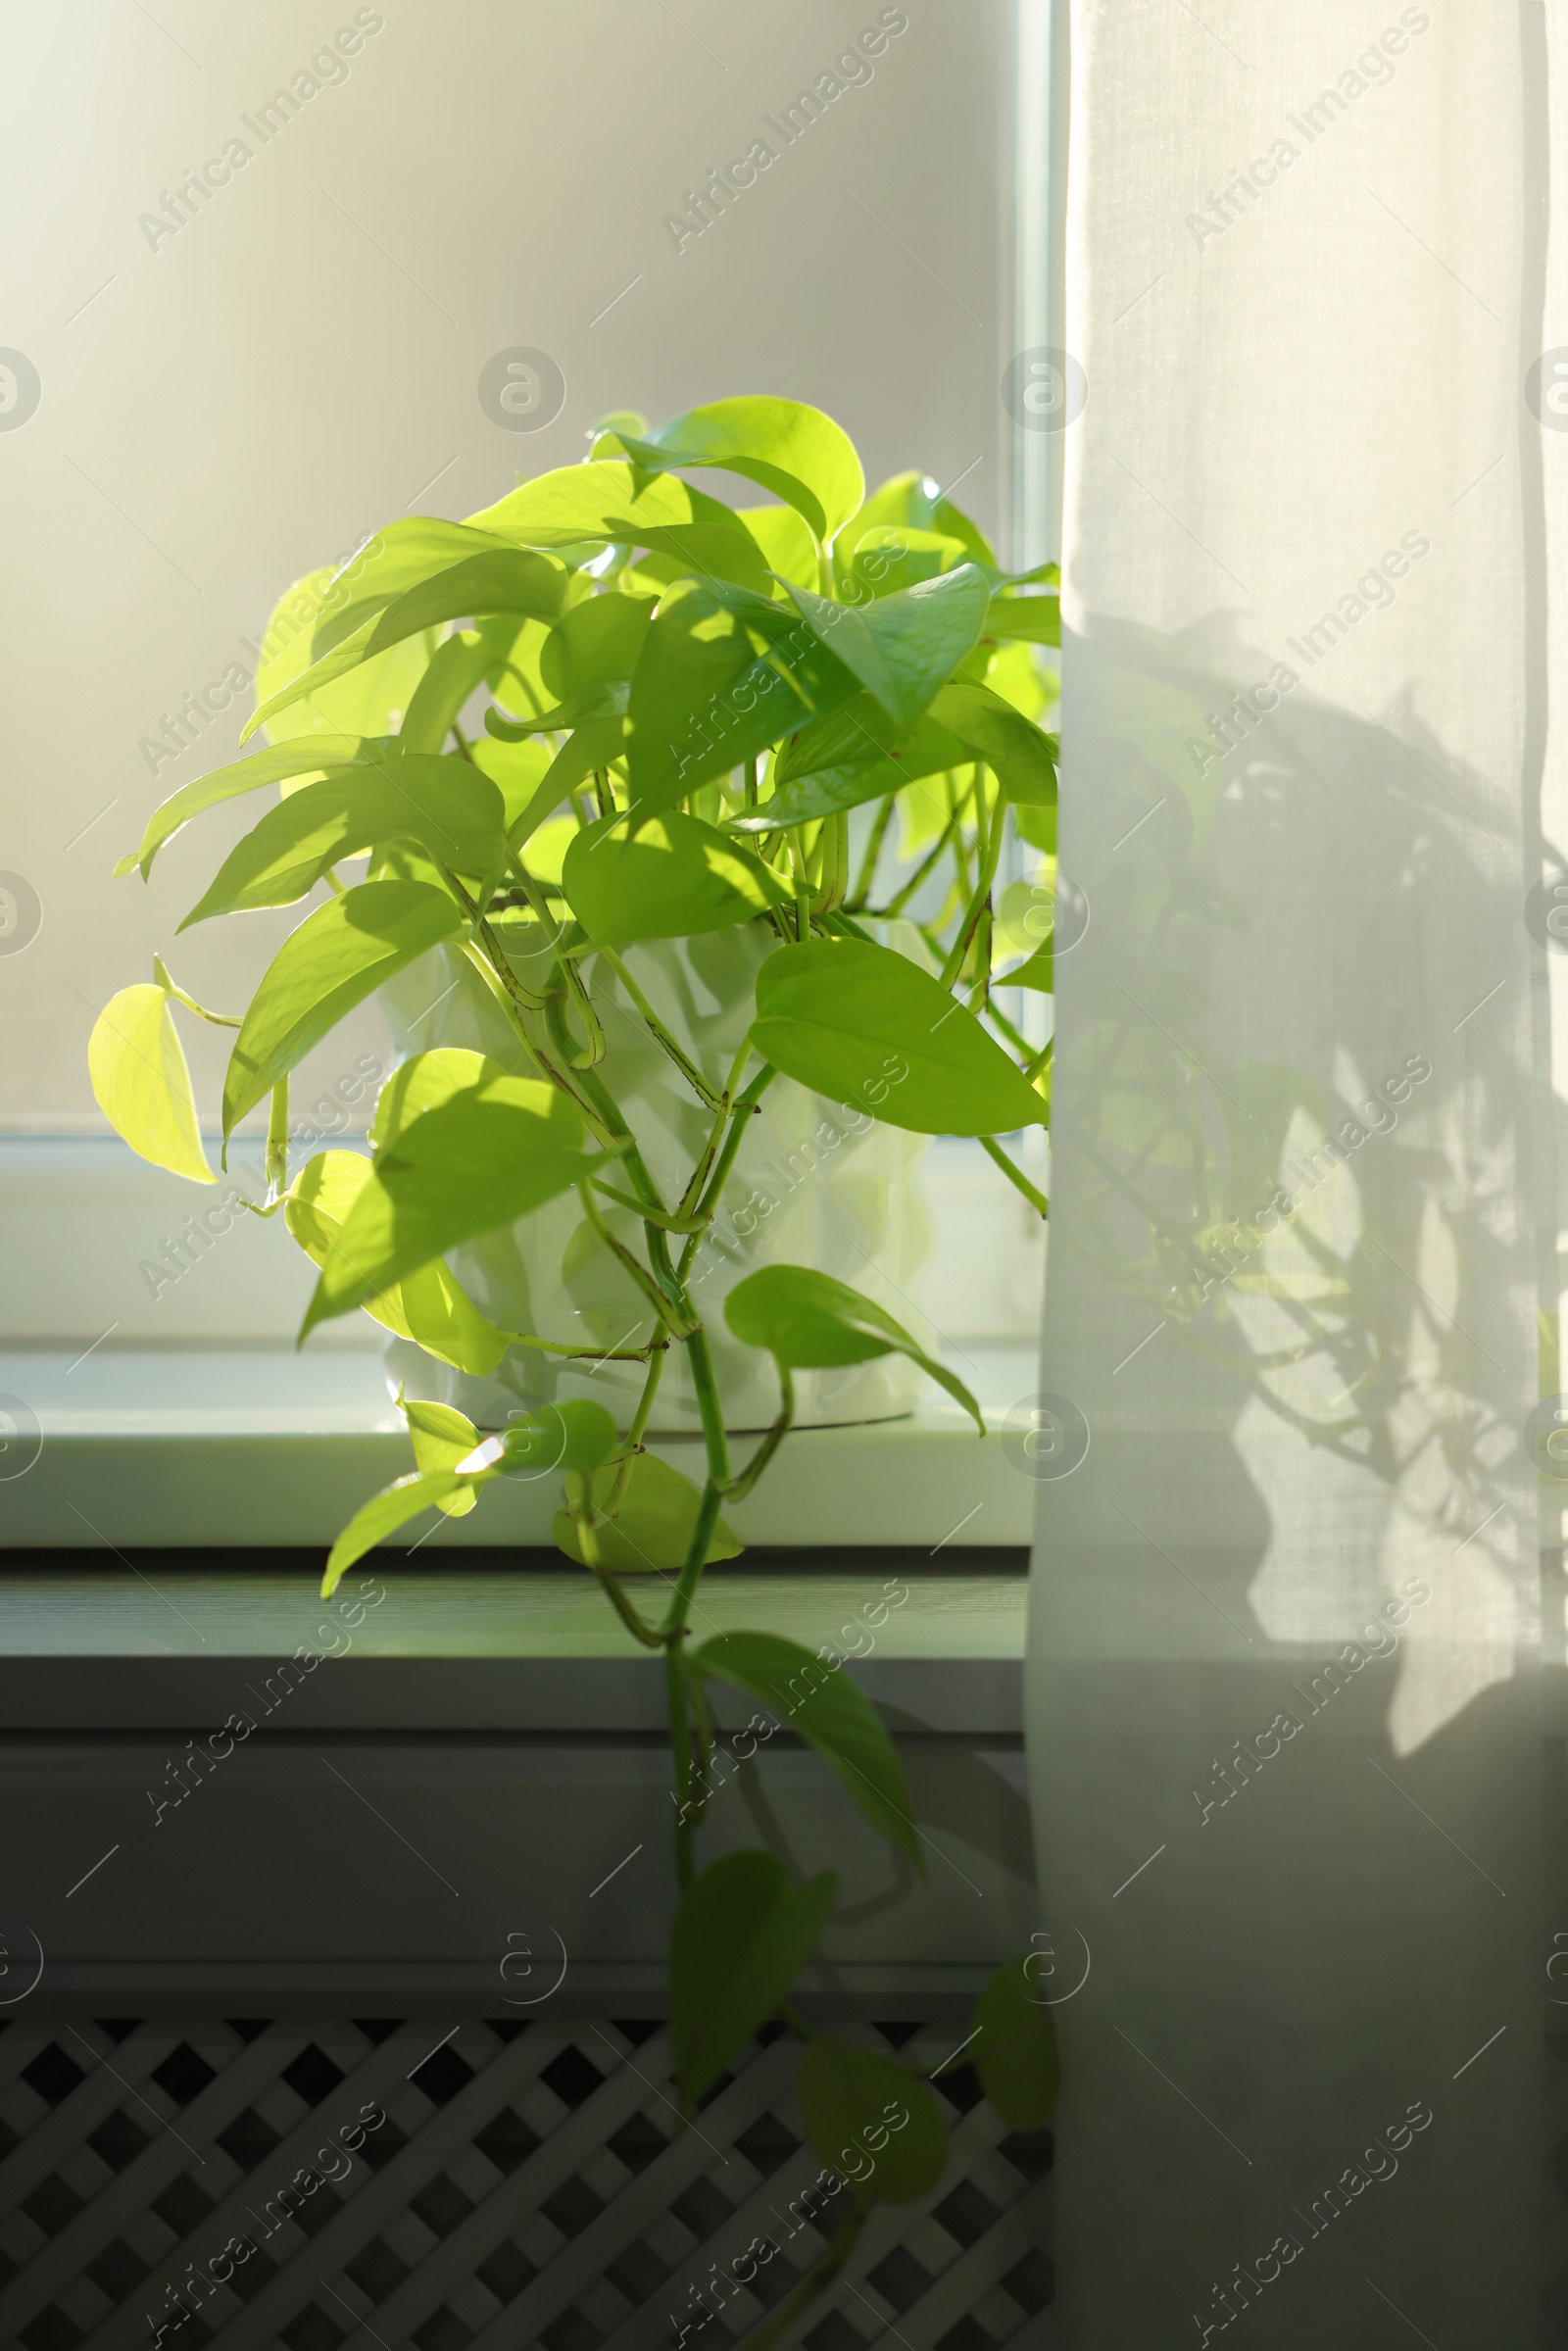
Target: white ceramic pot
x=814, y=1183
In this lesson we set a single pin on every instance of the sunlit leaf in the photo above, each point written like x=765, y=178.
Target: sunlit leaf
x=782, y=444
x=673, y=878
x=385, y=1512
x=431, y=1308
x=901, y=647
x=602, y=501
x=505, y=579
x=858, y=1022
x=654, y=1522
x=720, y=679
x=444, y=806
x=338, y=957
x=808, y=1321
x=142, y=1084
x=480, y=1160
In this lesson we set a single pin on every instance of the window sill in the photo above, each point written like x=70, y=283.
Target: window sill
x=266, y=1450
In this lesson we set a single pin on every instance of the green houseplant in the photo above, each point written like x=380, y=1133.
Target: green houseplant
x=683, y=705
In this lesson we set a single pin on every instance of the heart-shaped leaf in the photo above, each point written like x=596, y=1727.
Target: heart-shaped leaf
x=901, y=647
x=1015, y=2051
x=444, y=806
x=782, y=444
x=482, y=1159
x=742, y=1934
x=831, y=1712
x=141, y=1081
x=675, y=877
x=871, y=2121
x=338, y=957
x=808, y=1321
x=856, y=1021
x=652, y=1525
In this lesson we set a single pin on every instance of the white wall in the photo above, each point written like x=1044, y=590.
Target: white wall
x=224, y=407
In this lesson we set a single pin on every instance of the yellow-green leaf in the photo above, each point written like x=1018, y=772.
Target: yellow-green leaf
x=142, y=1082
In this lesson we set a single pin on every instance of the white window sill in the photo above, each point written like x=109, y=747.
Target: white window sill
x=264, y=1448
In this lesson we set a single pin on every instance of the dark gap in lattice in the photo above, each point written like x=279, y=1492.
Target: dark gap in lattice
x=444, y=2331
x=118, y=2140
x=968, y=2335
x=1032, y=2282
x=118, y=2028
x=442, y=2075
x=118, y=2271
x=185, y=2074
x=637, y=2143
x=9, y=2139
x=573, y=2207
x=1031, y=2152
x=571, y=2332
x=505, y=2141
x=441, y=2205
x=53, y=2073
x=959, y=2085
x=966, y=2215
x=506, y=2272
x=637, y=2028
x=375, y=2028
x=376, y=2270
x=505, y=2028
x=571, y=2075
x=835, y=2333
x=248, y=2139
x=898, y=2033
x=638, y=2273
x=766, y=2143
x=386, y=2141
x=182, y=2205
x=52, y=2205
x=248, y=2027
x=312, y=2330
x=702, y=2209
x=311, y=2074
x=52, y=2331
x=900, y=2278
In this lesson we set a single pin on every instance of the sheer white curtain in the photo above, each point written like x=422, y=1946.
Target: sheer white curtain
x=1285, y=1681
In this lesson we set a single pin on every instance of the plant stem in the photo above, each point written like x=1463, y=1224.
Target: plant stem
x=681, y=1741
x=277, y=1140
x=990, y=855
x=803, y=887
x=816, y=2282
x=709, y=1203
x=740, y=1487
x=901, y=897
x=639, y=1425
x=220, y=1020
x=1014, y=1175
x=873, y=853
x=662, y=1305
x=632, y=1618
x=687, y=1067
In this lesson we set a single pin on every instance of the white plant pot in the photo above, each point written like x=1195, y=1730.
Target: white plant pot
x=814, y=1183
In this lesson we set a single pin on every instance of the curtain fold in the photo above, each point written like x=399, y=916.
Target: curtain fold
x=1285, y=1691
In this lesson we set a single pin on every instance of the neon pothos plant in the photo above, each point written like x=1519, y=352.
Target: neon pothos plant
x=684, y=706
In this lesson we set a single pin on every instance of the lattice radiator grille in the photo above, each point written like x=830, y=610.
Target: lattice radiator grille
x=526, y=2184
